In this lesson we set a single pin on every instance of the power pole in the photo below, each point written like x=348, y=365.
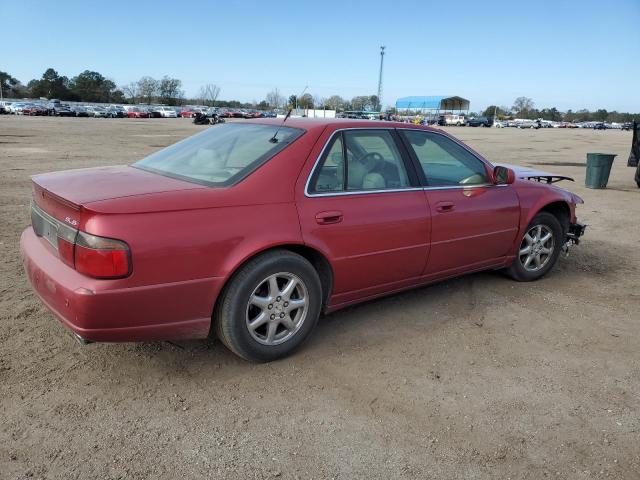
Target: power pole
x=380, y=77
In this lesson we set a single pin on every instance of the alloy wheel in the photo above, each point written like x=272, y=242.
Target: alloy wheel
x=536, y=248
x=277, y=308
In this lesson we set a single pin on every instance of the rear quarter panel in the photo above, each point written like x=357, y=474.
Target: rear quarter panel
x=191, y=234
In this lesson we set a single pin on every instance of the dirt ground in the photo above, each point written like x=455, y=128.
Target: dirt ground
x=475, y=378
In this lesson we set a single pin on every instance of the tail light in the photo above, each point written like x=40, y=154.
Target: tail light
x=101, y=257
x=66, y=240
x=95, y=256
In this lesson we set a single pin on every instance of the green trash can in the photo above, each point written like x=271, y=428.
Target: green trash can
x=598, y=169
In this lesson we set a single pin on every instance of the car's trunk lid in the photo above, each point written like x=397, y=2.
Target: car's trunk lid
x=62, y=194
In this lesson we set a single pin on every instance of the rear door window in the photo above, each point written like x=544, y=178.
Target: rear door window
x=361, y=159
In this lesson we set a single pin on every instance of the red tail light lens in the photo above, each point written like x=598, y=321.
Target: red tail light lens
x=65, y=251
x=66, y=240
x=101, y=257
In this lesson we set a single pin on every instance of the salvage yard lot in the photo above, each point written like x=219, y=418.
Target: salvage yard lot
x=478, y=377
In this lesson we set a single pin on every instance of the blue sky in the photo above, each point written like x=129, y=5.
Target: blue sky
x=568, y=54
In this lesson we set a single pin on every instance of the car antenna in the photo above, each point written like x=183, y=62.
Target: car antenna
x=274, y=139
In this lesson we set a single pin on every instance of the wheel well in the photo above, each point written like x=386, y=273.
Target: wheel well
x=561, y=211
x=319, y=262
x=317, y=259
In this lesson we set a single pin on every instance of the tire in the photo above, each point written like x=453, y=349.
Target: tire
x=272, y=338
x=525, y=267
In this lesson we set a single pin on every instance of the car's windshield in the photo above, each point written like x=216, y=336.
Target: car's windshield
x=220, y=155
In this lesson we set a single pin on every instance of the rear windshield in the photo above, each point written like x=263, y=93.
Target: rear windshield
x=221, y=155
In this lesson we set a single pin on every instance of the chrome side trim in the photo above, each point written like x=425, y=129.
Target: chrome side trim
x=363, y=192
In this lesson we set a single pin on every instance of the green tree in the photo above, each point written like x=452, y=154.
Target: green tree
x=91, y=86
x=551, y=114
x=374, y=101
x=8, y=84
x=600, y=115
x=169, y=90
x=305, y=101
x=51, y=85
x=583, y=115
x=492, y=110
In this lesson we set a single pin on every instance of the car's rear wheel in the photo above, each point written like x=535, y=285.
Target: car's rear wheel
x=270, y=306
x=539, y=248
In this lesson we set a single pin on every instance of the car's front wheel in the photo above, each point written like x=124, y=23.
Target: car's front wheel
x=270, y=306
x=539, y=248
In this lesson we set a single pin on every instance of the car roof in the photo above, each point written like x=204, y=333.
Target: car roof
x=337, y=123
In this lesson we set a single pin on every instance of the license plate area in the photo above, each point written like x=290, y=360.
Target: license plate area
x=44, y=226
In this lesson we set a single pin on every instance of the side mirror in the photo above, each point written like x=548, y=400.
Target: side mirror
x=503, y=176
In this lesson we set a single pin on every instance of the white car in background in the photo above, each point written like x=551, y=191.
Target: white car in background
x=166, y=112
x=16, y=108
x=96, y=111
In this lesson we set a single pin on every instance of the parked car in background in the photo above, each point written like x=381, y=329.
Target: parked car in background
x=480, y=122
x=60, y=110
x=79, y=111
x=187, y=113
x=600, y=126
x=451, y=120
x=362, y=209
x=627, y=126
x=116, y=111
x=96, y=111
x=213, y=111
x=137, y=112
x=153, y=111
x=166, y=112
x=34, y=110
x=527, y=124
x=16, y=108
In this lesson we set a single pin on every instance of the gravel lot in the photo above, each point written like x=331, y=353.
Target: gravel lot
x=474, y=378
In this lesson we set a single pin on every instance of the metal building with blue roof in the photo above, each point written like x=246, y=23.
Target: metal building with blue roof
x=439, y=103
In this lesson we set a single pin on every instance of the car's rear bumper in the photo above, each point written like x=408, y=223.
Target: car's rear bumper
x=107, y=311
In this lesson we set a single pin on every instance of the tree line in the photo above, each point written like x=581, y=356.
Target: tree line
x=524, y=107
x=90, y=86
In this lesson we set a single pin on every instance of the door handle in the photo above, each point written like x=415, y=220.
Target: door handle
x=327, y=218
x=444, y=207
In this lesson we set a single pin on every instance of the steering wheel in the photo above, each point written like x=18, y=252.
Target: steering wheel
x=370, y=160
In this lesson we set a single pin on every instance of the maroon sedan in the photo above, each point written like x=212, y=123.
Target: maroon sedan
x=34, y=110
x=249, y=231
x=136, y=112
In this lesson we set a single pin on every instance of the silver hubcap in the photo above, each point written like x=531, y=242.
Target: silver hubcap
x=536, y=248
x=277, y=308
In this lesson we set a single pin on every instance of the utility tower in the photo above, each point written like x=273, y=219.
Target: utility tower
x=380, y=77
